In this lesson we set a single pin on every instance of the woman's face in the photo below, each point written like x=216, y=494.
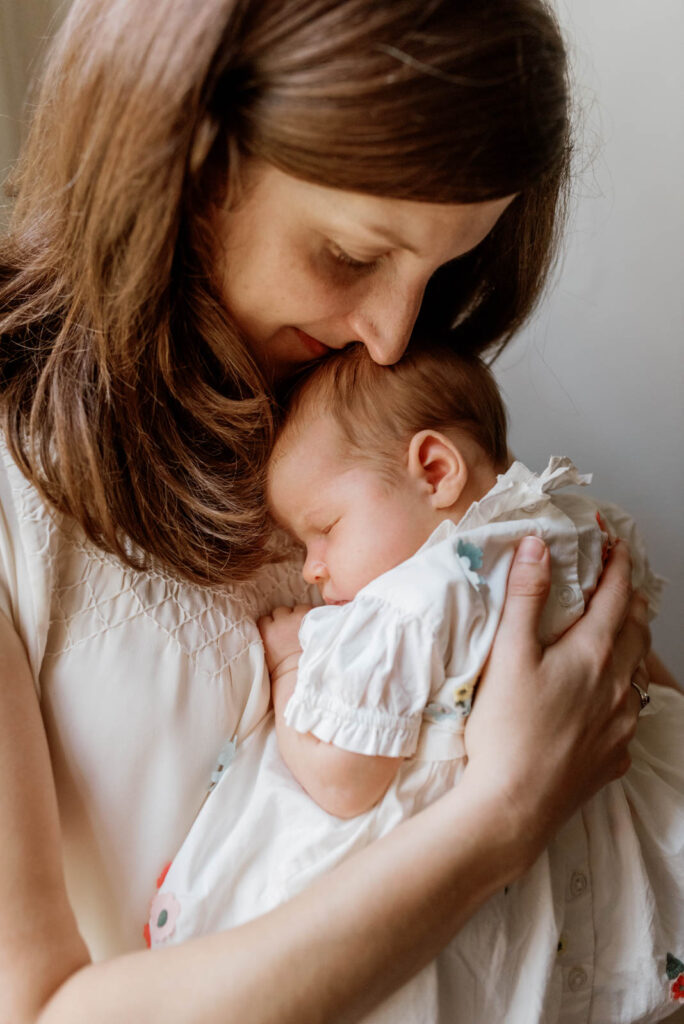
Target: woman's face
x=306, y=269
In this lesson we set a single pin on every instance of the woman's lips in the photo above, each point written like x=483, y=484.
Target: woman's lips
x=316, y=347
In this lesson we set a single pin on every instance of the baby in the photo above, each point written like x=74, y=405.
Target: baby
x=398, y=482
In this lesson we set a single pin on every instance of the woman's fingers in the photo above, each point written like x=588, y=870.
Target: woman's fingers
x=527, y=590
x=639, y=686
x=612, y=600
x=634, y=641
x=613, y=632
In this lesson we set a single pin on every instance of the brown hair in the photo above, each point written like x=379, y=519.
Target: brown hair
x=379, y=408
x=128, y=396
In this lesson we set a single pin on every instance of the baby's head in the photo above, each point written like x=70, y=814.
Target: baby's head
x=372, y=458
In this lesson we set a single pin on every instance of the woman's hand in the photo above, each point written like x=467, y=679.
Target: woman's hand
x=551, y=726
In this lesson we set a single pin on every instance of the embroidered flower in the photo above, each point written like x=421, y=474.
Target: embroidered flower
x=471, y=559
x=471, y=552
x=226, y=755
x=164, y=911
x=674, y=968
x=162, y=876
x=463, y=698
x=438, y=712
x=146, y=928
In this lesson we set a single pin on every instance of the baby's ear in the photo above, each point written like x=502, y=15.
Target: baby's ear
x=435, y=461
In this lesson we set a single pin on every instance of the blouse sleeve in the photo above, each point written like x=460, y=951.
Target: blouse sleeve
x=26, y=543
x=7, y=566
x=365, y=675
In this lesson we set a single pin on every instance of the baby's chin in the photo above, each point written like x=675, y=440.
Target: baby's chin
x=329, y=600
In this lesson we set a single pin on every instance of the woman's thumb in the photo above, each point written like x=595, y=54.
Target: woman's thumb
x=528, y=587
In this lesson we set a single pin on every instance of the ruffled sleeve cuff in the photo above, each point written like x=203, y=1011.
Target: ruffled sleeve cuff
x=360, y=730
x=365, y=674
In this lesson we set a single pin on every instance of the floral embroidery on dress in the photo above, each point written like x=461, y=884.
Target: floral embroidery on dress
x=164, y=911
x=674, y=969
x=463, y=702
x=463, y=698
x=471, y=559
x=162, y=876
x=224, y=759
x=438, y=712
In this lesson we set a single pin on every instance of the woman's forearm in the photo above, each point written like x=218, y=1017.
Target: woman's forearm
x=39, y=940
x=331, y=953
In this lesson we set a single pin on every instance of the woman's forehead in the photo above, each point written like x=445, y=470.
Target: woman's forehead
x=376, y=221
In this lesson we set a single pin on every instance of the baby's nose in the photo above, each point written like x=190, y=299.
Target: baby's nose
x=313, y=571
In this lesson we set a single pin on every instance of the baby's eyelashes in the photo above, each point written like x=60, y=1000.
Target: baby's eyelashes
x=321, y=529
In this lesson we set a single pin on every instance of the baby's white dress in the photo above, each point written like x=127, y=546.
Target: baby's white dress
x=594, y=932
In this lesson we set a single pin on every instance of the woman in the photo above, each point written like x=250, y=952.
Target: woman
x=212, y=194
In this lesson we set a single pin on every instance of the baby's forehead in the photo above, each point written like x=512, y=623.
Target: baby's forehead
x=305, y=453
x=302, y=437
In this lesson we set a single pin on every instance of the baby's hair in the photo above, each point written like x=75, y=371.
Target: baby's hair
x=379, y=408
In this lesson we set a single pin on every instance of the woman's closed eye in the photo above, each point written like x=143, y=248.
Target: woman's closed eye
x=343, y=259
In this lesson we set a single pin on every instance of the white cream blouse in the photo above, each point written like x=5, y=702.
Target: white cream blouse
x=142, y=679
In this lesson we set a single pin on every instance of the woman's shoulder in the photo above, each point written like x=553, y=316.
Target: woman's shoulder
x=63, y=591
x=27, y=549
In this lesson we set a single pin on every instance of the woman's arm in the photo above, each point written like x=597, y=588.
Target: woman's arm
x=335, y=950
x=341, y=782
x=39, y=942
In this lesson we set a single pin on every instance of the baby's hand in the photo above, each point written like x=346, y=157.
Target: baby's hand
x=280, y=634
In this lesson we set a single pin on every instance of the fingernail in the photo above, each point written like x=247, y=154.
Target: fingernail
x=531, y=549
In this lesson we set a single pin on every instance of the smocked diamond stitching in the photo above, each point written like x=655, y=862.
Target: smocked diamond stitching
x=211, y=627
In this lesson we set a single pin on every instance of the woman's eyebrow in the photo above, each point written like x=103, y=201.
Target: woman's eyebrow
x=387, y=235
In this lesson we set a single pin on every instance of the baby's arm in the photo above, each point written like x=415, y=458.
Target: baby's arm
x=342, y=783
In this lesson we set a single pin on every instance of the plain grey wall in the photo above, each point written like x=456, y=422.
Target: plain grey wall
x=24, y=27
x=599, y=373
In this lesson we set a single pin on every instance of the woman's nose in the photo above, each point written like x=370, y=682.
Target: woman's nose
x=384, y=323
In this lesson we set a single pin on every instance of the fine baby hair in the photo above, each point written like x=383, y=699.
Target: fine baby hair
x=379, y=408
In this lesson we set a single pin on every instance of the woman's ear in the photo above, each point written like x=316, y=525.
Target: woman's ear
x=435, y=461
